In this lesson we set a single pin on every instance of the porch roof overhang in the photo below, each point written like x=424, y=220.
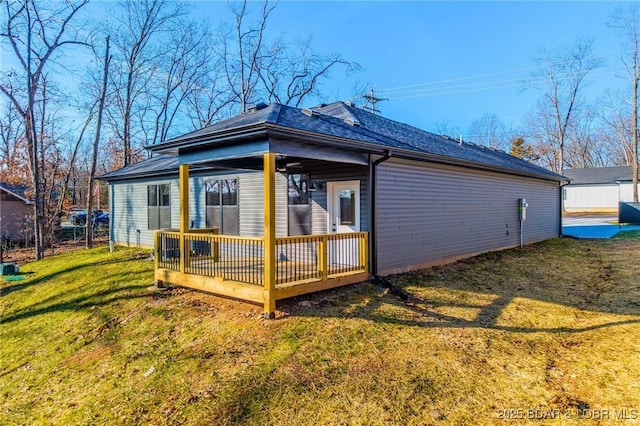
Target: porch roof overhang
x=253, y=143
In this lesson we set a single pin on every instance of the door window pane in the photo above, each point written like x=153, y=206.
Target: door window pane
x=299, y=209
x=347, y=206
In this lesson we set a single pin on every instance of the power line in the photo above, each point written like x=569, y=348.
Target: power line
x=474, y=87
x=372, y=99
x=430, y=83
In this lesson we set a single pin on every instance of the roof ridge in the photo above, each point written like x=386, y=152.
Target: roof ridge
x=277, y=110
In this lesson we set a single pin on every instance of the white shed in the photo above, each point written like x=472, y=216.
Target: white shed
x=597, y=189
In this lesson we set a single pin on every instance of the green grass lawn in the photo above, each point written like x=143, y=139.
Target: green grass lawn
x=555, y=326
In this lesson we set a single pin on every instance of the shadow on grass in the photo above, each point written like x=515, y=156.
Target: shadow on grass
x=4, y=291
x=100, y=298
x=487, y=318
x=489, y=292
x=372, y=303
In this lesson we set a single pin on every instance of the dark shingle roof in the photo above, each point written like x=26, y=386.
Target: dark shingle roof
x=400, y=135
x=18, y=191
x=157, y=165
x=598, y=175
x=341, y=123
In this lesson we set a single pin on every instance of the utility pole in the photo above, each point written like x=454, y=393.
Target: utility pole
x=372, y=100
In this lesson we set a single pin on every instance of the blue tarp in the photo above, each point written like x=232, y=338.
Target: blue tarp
x=596, y=231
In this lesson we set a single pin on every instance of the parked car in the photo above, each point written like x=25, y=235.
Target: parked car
x=102, y=220
x=79, y=217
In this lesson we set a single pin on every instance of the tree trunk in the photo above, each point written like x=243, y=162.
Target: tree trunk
x=96, y=140
x=32, y=142
x=634, y=153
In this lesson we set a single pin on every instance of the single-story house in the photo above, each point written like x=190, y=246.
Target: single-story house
x=598, y=189
x=282, y=201
x=16, y=212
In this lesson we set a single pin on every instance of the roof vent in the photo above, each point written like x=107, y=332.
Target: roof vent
x=257, y=107
x=351, y=122
x=309, y=112
x=348, y=103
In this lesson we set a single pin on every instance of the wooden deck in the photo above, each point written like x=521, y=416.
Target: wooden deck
x=235, y=266
x=263, y=269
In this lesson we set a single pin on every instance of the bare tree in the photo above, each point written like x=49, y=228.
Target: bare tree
x=293, y=75
x=138, y=49
x=70, y=164
x=14, y=163
x=489, y=131
x=209, y=98
x=183, y=71
x=444, y=128
x=585, y=147
x=616, y=127
x=560, y=76
x=243, y=52
x=627, y=22
x=257, y=68
x=96, y=141
x=35, y=34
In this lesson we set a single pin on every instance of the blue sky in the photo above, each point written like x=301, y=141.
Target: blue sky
x=438, y=62
x=434, y=46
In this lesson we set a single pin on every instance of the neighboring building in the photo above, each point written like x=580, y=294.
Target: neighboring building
x=16, y=212
x=407, y=198
x=598, y=189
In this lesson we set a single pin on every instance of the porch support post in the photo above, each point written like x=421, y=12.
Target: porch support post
x=184, y=215
x=269, y=235
x=157, y=253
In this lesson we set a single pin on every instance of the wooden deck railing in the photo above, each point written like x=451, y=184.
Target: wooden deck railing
x=167, y=250
x=209, y=254
x=241, y=259
x=320, y=256
x=228, y=257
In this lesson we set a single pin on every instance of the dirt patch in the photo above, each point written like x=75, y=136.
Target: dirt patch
x=83, y=359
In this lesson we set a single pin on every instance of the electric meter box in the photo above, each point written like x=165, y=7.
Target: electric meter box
x=522, y=208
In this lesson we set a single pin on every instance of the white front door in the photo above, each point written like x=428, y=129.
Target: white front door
x=344, y=216
x=344, y=206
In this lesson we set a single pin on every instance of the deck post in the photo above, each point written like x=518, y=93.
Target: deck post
x=269, y=235
x=184, y=215
x=157, y=253
x=215, y=247
x=364, y=248
x=323, y=264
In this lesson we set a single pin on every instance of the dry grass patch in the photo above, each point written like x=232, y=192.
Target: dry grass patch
x=553, y=326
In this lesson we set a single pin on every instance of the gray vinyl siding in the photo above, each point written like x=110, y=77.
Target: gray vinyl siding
x=128, y=215
x=251, y=201
x=197, y=202
x=282, y=200
x=323, y=173
x=129, y=206
x=429, y=213
x=250, y=198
